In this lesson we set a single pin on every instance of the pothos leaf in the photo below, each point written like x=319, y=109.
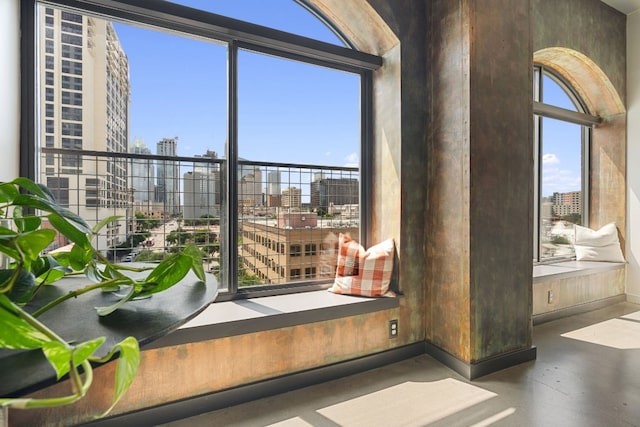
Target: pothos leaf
x=16, y=333
x=84, y=351
x=8, y=191
x=33, y=242
x=80, y=256
x=61, y=355
x=23, y=286
x=103, y=311
x=196, y=261
x=34, y=188
x=8, y=243
x=105, y=221
x=166, y=274
x=126, y=368
x=49, y=270
x=58, y=355
x=76, y=232
x=25, y=223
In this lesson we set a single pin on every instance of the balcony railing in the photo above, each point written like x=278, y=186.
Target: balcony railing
x=289, y=216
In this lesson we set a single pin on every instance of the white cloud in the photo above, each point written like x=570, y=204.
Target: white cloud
x=327, y=154
x=550, y=158
x=352, y=160
x=555, y=179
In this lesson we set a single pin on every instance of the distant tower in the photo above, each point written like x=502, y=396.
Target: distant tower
x=168, y=188
x=274, y=197
x=292, y=198
x=250, y=188
x=202, y=188
x=142, y=173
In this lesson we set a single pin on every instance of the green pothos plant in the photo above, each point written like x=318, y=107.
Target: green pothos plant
x=24, y=205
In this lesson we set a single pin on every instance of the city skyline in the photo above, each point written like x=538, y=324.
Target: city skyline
x=284, y=113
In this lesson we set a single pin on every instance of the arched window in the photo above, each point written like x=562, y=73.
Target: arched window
x=562, y=145
x=206, y=123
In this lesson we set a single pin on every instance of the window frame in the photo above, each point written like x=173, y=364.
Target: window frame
x=237, y=35
x=581, y=117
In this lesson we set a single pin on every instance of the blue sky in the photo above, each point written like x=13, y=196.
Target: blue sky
x=561, y=151
x=288, y=111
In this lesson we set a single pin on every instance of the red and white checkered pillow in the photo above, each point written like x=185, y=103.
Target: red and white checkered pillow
x=366, y=273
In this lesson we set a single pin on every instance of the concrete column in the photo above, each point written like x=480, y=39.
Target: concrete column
x=480, y=188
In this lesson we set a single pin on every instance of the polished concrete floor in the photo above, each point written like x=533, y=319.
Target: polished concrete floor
x=587, y=373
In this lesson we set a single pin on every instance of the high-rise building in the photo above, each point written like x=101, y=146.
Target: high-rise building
x=84, y=88
x=273, y=196
x=250, y=188
x=142, y=173
x=168, y=185
x=292, y=198
x=202, y=189
x=326, y=192
x=564, y=204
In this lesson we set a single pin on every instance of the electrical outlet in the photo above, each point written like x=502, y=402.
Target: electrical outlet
x=393, y=328
x=550, y=297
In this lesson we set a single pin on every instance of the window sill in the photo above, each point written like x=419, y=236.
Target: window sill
x=238, y=317
x=563, y=269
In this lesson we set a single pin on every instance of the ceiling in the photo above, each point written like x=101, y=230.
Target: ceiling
x=624, y=6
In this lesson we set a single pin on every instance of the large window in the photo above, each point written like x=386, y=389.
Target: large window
x=197, y=129
x=562, y=146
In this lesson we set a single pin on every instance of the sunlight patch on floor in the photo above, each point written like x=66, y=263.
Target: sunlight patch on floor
x=495, y=418
x=622, y=333
x=407, y=404
x=292, y=422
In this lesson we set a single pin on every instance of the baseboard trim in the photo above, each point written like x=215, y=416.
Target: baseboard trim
x=210, y=402
x=577, y=309
x=472, y=371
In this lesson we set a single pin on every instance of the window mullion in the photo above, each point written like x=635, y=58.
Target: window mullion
x=231, y=207
x=366, y=156
x=586, y=168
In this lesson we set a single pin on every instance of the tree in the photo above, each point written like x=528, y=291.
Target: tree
x=145, y=223
x=574, y=218
x=560, y=240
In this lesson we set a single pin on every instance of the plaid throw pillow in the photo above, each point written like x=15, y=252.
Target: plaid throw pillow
x=366, y=273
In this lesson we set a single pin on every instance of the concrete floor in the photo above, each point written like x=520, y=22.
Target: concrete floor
x=587, y=374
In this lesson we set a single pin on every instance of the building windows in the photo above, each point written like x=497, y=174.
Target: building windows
x=69, y=113
x=72, y=98
x=295, y=250
x=562, y=140
x=310, y=273
x=72, y=67
x=72, y=129
x=71, y=39
x=71, y=52
x=295, y=274
x=69, y=82
x=286, y=200
x=59, y=187
x=310, y=249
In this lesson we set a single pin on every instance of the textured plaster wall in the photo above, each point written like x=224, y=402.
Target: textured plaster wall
x=573, y=291
x=633, y=154
x=478, y=230
x=180, y=372
x=587, y=26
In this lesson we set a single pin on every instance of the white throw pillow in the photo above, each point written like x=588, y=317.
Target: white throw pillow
x=600, y=245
